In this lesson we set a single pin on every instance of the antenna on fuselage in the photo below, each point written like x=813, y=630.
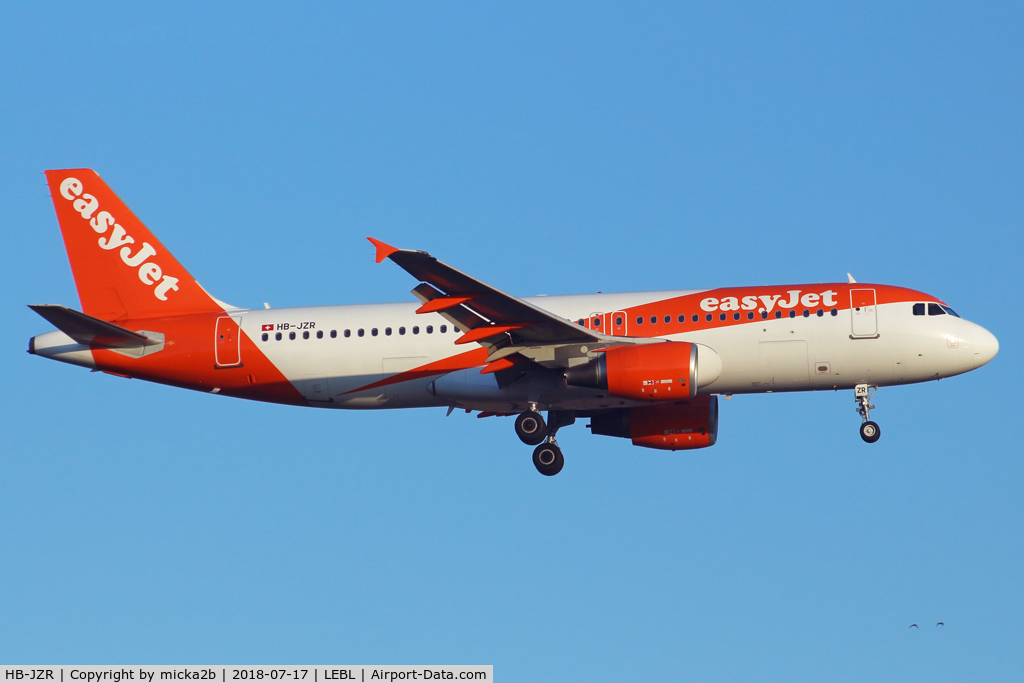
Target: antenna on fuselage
x=850, y=278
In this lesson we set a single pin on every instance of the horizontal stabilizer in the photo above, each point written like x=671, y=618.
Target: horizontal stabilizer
x=91, y=331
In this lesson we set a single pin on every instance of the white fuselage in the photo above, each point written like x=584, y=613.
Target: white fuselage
x=787, y=354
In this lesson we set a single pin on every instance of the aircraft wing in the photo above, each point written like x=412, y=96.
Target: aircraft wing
x=486, y=315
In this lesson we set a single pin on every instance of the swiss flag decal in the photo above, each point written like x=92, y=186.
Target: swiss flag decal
x=268, y=328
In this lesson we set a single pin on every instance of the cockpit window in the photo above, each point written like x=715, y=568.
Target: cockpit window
x=935, y=309
x=949, y=310
x=918, y=309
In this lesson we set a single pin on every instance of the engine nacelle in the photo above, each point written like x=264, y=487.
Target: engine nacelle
x=666, y=426
x=666, y=371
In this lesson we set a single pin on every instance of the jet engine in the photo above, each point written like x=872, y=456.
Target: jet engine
x=681, y=425
x=666, y=371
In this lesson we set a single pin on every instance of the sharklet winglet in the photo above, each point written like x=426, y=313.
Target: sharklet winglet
x=383, y=250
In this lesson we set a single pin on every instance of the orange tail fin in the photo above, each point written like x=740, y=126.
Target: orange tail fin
x=121, y=270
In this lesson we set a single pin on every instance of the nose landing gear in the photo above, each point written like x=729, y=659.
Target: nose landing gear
x=869, y=431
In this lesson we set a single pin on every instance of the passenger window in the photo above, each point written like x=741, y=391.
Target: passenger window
x=834, y=312
x=681, y=318
x=764, y=315
x=373, y=332
x=266, y=336
x=918, y=309
x=820, y=312
x=430, y=329
x=416, y=330
x=721, y=316
x=778, y=314
x=618, y=320
x=639, y=320
x=305, y=335
x=695, y=318
x=580, y=322
x=709, y=317
x=654, y=319
x=401, y=330
x=348, y=333
x=387, y=331
x=668, y=319
x=792, y=313
x=277, y=336
x=750, y=316
x=319, y=334
x=597, y=322
x=444, y=328
x=736, y=316
x=360, y=332
x=935, y=309
x=806, y=313
x=291, y=335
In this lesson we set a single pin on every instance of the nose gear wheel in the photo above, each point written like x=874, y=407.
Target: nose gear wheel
x=870, y=431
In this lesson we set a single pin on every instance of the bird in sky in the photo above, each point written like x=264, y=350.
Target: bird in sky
x=941, y=623
x=914, y=626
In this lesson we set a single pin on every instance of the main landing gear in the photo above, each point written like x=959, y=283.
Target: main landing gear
x=532, y=430
x=869, y=431
x=547, y=458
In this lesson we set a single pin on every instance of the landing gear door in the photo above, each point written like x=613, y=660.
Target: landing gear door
x=618, y=323
x=864, y=313
x=227, y=342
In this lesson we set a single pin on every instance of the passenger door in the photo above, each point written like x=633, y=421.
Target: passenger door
x=863, y=313
x=227, y=342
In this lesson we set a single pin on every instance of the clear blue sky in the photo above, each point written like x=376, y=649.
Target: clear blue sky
x=546, y=149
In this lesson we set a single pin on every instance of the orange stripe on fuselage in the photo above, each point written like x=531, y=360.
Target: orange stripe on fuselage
x=462, y=361
x=690, y=305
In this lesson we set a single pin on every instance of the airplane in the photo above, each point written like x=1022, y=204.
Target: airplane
x=645, y=366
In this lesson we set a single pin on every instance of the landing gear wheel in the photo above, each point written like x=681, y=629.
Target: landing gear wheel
x=548, y=460
x=870, y=431
x=530, y=428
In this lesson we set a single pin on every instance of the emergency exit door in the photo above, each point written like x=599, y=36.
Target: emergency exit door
x=227, y=343
x=608, y=323
x=618, y=323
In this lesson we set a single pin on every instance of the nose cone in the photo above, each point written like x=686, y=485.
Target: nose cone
x=985, y=346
